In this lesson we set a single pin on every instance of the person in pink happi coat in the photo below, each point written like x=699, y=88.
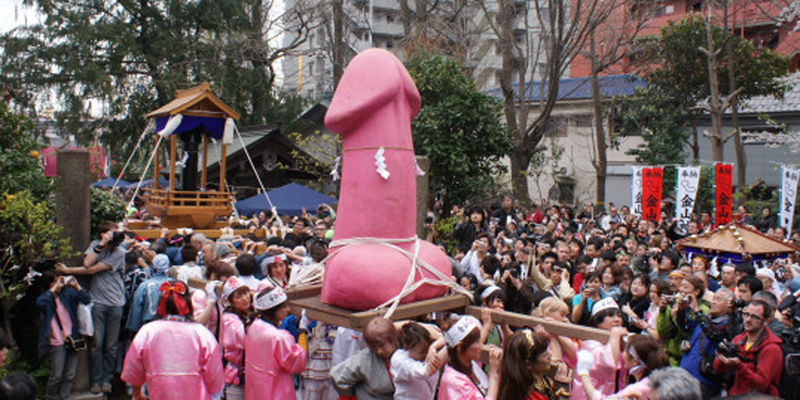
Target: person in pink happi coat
x=238, y=307
x=271, y=355
x=177, y=358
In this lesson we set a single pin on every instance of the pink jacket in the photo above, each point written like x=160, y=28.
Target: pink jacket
x=199, y=302
x=177, y=360
x=232, y=340
x=271, y=358
x=603, y=373
x=457, y=386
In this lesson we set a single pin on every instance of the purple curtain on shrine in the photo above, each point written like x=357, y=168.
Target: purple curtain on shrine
x=214, y=126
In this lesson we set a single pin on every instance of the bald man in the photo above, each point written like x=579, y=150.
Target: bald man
x=365, y=375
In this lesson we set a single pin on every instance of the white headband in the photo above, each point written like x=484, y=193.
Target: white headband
x=488, y=291
x=270, y=300
x=603, y=304
x=459, y=331
x=277, y=257
x=728, y=267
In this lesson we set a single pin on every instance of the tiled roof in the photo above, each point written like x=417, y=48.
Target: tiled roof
x=770, y=104
x=580, y=88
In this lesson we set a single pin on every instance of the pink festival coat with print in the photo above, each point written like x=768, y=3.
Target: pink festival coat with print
x=272, y=356
x=177, y=360
x=603, y=373
x=232, y=340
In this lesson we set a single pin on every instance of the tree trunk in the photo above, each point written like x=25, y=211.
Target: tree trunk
x=695, y=145
x=715, y=108
x=741, y=157
x=601, y=162
x=520, y=161
x=338, y=42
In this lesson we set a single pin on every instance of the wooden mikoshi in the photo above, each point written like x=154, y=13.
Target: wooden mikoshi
x=195, y=116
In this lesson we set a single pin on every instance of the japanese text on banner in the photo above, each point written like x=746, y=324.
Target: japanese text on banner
x=651, y=193
x=723, y=182
x=789, y=178
x=686, y=191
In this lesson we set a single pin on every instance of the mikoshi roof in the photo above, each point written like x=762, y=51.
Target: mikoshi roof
x=736, y=239
x=197, y=101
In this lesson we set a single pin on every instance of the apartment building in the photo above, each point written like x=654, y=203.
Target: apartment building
x=468, y=35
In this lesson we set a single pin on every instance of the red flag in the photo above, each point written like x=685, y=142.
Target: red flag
x=723, y=182
x=651, y=193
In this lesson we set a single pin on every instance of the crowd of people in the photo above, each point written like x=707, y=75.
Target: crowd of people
x=677, y=328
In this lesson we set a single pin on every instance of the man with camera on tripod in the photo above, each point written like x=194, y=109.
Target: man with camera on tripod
x=755, y=356
x=104, y=260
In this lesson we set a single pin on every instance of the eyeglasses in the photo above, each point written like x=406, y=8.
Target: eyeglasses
x=747, y=315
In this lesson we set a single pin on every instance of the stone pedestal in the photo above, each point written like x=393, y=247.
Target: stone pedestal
x=73, y=197
x=423, y=195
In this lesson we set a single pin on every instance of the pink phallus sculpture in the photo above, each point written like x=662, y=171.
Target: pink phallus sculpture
x=372, y=111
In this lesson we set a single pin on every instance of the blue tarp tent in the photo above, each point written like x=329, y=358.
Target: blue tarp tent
x=288, y=199
x=162, y=182
x=109, y=182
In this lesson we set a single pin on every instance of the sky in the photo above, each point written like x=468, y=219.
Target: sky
x=13, y=13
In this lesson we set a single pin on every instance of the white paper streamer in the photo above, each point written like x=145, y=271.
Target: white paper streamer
x=173, y=123
x=420, y=172
x=335, y=172
x=381, y=164
x=227, y=136
x=182, y=162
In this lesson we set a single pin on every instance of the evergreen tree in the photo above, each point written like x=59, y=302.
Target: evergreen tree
x=458, y=128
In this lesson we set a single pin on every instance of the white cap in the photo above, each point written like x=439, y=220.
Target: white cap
x=488, y=291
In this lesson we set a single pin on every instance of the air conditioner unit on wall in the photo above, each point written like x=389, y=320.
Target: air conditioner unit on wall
x=564, y=171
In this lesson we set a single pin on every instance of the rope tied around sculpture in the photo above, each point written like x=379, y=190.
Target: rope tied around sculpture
x=417, y=264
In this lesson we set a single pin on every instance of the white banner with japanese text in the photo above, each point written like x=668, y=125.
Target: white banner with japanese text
x=686, y=194
x=789, y=178
x=636, y=191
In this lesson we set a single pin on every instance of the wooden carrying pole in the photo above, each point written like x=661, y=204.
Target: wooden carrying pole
x=222, y=158
x=156, y=167
x=204, y=173
x=552, y=327
x=173, y=144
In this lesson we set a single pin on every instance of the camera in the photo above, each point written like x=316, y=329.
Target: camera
x=429, y=220
x=738, y=303
x=116, y=239
x=728, y=349
x=672, y=298
x=655, y=255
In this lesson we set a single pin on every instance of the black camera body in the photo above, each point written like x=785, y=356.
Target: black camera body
x=728, y=349
x=738, y=304
x=116, y=239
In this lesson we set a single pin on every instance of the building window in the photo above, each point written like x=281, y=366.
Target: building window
x=389, y=18
x=389, y=44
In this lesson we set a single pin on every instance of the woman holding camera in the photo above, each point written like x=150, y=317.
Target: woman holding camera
x=59, y=334
x=582, y=303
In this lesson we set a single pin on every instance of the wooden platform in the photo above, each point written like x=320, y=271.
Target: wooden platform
x=308, y=298
x=210, y=233
x=319, y=311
